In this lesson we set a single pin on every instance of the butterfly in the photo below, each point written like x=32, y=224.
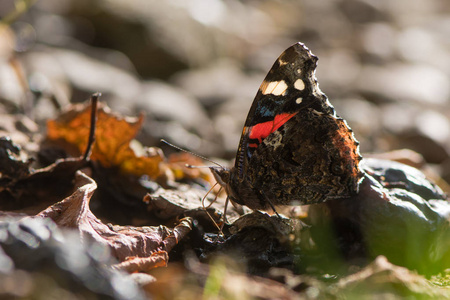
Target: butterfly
x=294, y=149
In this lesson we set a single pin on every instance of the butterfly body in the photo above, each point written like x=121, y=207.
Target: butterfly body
x=293, y=148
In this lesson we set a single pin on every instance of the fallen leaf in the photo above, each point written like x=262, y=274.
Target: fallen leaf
x=178, y=233
x=113, y=147
x=143, y=264
x=124, y=241
x=26, y=190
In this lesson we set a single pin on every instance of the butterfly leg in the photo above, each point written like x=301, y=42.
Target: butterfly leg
x=205, y=208
x=224, y=214
x=215, y=198
x=270, y=203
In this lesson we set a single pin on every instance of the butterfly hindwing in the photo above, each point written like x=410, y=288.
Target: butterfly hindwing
x=310, y=159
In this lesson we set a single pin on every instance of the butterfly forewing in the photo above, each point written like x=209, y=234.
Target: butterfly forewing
x=289, y=87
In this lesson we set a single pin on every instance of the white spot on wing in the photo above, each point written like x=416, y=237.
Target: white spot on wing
x=299, y=100
x=299, y=85
x=274, y=139
x=281, y=62
x=276, y=88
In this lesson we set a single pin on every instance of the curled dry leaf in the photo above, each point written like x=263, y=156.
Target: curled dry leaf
x=124, y=241
x=159, y=258
x=114, y=134
x=178, y=233
x=144, y=264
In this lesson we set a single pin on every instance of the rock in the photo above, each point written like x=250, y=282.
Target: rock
x=37, y=258
x=396, y=117
x=176, y=116
x=397, y=213
x=363, y=12
x=378, y=39
x=260, y=242
x=418, y=83
x=89, y=74
x=404, y=156
x=434, y=125
x=432, y=151
x=216, y=83
x=200, y=36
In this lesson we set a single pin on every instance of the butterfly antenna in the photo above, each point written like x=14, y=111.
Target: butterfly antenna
x=195, y=167
x=187, y=151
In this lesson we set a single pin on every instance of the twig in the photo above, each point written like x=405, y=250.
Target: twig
x=94, y=102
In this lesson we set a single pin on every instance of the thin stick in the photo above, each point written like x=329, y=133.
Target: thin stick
x=94, y=102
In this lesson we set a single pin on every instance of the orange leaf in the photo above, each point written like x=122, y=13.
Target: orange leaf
x=112, y=140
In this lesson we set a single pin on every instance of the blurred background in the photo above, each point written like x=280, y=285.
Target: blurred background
x=194, y=66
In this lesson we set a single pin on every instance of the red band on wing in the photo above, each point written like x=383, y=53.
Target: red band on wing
x=262, y=130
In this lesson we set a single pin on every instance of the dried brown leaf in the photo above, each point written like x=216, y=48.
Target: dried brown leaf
x=26, y=190
x=178, y=233
x=124, y=241
x=144, y=264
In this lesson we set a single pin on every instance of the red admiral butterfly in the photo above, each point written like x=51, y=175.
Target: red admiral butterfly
x=294, y=149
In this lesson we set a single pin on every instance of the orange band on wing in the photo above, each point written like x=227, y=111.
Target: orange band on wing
x=262, y=130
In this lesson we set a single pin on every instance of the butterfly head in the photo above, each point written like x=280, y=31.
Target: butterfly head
x=222, y=175
x=224, y=178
